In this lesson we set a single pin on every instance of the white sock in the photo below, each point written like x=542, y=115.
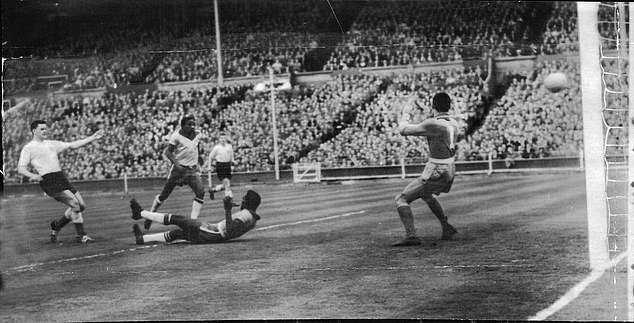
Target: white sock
x=154, y=237
x=153, y=216
x=196, y=206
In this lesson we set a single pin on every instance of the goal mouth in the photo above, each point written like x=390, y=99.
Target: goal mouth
x=608, y=130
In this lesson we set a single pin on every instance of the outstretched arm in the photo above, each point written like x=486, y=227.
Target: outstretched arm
x=82, y=142
x=406, y=128
x=228, y=204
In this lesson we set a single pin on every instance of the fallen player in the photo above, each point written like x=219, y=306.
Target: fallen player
x=195, y=231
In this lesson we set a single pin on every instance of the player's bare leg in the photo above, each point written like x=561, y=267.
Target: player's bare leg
x=73, y=214
x=197, y=186
x=226, y=183
x=159, y=199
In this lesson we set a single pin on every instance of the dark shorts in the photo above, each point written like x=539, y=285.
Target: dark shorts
x=223, y=170
x=190, y=230
x=54, y=183
x=185, y=176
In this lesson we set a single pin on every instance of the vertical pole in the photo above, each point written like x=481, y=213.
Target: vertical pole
x=218, y=48
x=402, y=167
x=630, y=205
x=591, y=98
x=581, y=162
x=490, y=158
x=274, y=121
x=125, y=182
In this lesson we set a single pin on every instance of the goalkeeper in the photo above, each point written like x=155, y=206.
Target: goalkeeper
x=195, y=231
x=441, y=132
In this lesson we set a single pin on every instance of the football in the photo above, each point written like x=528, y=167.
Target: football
x=556, y=82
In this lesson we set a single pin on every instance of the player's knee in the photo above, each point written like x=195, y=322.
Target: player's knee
x=75, y=205
x=400, y=200
x=200, y=195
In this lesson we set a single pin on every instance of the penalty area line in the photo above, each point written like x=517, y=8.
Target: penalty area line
x=310, y=221
x=103, y=254
x=116, y=252
x=575, y=291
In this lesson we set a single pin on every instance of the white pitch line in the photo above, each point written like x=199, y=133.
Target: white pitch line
x=310, y=221
x=573, y=293
x=112, y=253
x=31, y=266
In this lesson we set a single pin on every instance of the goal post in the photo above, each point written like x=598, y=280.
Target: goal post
x=591, y=98
x=608, y=131
x=630, y=193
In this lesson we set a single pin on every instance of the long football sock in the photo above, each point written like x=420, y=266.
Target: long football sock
x=156, y=216
x=155, y=237
x=435, y=207
x=196, y=206
x=79, y=227
x=62, y=222
x=405, y=213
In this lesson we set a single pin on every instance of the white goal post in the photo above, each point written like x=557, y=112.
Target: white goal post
x=608, y=187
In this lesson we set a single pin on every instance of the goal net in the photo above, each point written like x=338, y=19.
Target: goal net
x=604, y=62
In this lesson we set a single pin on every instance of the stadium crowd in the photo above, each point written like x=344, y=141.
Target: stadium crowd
x=348, y=121
x=372, y=139
x=256, y=36
x=529, y=121
x=391, y=33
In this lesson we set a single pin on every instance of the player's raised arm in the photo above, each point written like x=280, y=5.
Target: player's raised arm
x=228, y=204
x=82, y=142
x=405, y=127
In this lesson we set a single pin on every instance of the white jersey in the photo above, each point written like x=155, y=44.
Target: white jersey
x=186, y=153
x=222, y=153
x=42, y=155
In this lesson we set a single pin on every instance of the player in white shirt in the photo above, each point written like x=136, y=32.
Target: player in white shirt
x=222, y=158
x=184, y=153
x=43, y=155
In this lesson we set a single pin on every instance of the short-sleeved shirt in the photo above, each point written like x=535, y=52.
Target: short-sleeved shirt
x=186, y=153
x=441, y=133
x=245, y=222
x=222, y=153
x=43, y=155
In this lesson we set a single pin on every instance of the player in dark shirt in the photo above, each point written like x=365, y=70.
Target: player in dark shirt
x=195, y=231
x=441, y=132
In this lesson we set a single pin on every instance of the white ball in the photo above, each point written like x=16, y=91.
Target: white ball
x=556, y=82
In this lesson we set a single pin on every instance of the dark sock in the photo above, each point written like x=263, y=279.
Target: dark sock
x=435, y=208
x=405, y=213
x=79, y=227
x=62, y=222
x=166, y=219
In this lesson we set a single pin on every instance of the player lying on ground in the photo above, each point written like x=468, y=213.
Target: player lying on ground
x=195, y=231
